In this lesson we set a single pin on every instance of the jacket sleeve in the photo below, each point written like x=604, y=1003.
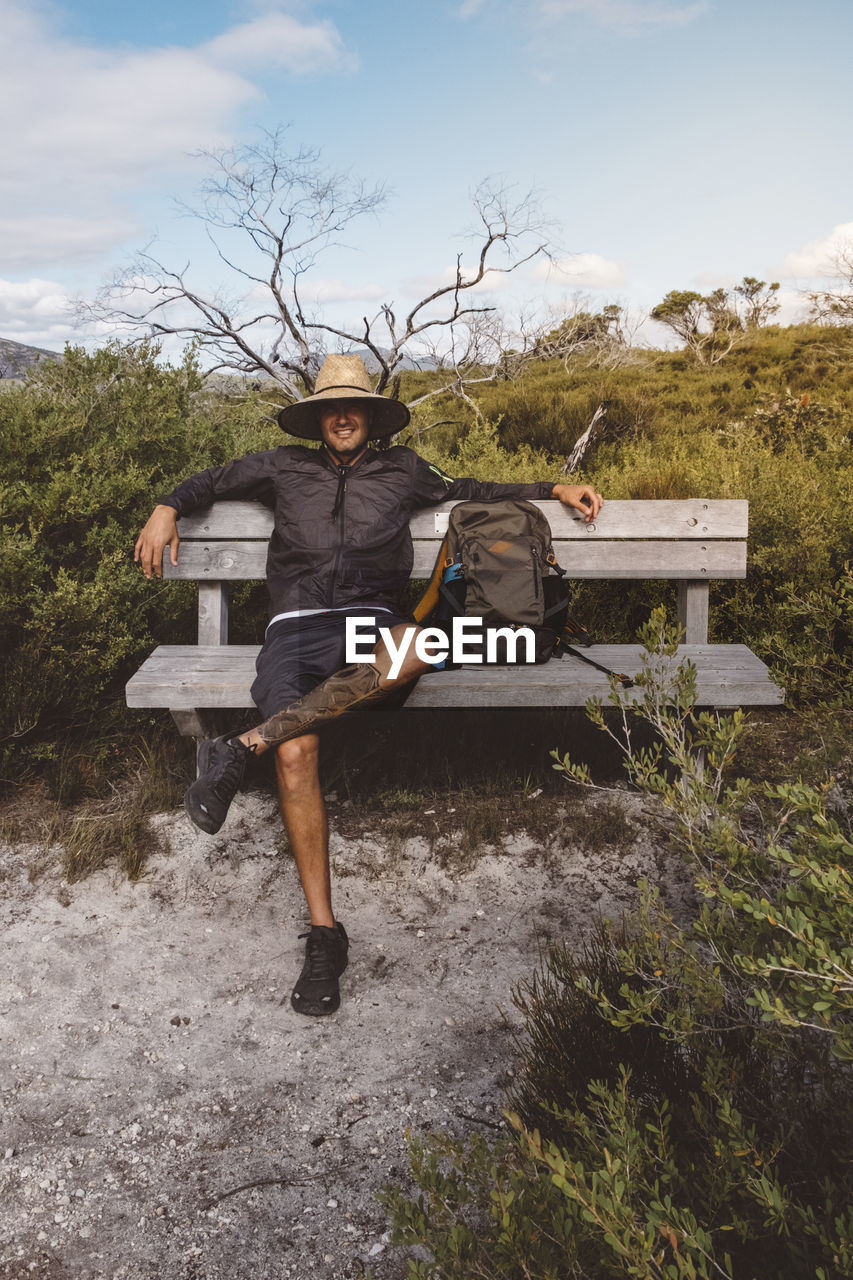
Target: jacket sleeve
x=432, y=485
x=249, y=477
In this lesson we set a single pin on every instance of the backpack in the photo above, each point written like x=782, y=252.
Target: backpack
x=497, y=563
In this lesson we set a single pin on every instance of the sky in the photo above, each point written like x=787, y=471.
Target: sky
x=671, y=144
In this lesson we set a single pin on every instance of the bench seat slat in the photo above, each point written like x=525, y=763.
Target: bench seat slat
x=167, y=659
x=216, y=561
x=185, y=677
x=694, y=518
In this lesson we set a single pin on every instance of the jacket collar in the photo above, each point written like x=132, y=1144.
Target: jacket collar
x=331, y=460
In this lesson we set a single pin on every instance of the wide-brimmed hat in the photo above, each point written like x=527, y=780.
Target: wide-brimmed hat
x=342, y=378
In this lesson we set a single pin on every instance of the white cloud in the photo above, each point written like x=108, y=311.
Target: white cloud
x=277, y=40
x=421, y=286
x=793, y=307
x=817, y=258
x=585, y=270
x=37, y=312
x=85, y=126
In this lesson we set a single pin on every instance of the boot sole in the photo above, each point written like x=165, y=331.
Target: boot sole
x=199, y=817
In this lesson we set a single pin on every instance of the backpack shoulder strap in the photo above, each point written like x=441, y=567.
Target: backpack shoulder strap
x=429, y=599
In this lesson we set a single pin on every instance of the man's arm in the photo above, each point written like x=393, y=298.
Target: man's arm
x=432, y=485
x=248, y=477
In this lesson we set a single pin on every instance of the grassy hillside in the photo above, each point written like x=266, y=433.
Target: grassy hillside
x=88, y=445
x=773, y=424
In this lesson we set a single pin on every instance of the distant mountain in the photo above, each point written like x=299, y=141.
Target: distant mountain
x=16, y=358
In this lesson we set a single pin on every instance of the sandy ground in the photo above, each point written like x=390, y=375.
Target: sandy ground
x=166, y=1113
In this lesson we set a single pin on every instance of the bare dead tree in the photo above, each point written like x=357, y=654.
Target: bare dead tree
x=573, y=334
x=270, y=216
x=835, y=305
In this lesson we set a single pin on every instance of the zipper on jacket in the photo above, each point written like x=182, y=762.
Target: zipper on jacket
x=342, y=486
x=339, y=519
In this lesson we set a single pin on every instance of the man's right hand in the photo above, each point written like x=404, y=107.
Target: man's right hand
x=160, y=531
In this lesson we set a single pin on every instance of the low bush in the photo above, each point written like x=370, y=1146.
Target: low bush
x=683, y=1105
x=87, y=446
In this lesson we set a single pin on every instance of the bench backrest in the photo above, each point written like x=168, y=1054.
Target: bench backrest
x=689, y=540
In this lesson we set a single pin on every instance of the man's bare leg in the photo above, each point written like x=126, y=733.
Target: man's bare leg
x=300, y=797
x=317, y=990
x=304, y=816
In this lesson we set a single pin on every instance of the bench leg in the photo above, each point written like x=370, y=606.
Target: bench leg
x=200, y=723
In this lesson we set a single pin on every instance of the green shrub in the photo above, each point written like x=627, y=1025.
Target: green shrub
x=87, y=446
x=682, y=1106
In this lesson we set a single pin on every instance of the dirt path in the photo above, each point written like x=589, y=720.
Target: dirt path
x=166, y=1113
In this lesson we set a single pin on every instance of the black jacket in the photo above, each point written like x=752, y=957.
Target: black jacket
x=341, y=534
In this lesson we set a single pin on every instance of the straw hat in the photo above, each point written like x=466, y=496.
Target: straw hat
x=342, y=378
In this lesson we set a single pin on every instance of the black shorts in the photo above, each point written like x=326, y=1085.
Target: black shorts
x=298, y=653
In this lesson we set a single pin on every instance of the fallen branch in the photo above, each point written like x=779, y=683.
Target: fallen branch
x=583, y=443
x=264, y=1182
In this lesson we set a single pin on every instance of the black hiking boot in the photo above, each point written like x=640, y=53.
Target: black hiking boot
x=221, y=765
x=317, y=992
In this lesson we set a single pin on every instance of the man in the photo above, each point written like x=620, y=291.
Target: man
x=340, y=548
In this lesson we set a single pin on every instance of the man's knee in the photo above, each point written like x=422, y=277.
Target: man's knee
x=296, y=761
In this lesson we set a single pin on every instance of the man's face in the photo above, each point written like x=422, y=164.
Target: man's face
x=344, y=425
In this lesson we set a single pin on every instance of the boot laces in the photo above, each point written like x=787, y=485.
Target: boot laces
x=229, y=774
x=318, y=953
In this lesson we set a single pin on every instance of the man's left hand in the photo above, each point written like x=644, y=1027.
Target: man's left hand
x=580, y=496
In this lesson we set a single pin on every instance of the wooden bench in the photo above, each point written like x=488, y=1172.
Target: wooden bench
x=690, y=541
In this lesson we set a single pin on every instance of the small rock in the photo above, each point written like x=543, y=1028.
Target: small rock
x=8, y=1153
x=331, y=1204
x=185, y=1021
x=176, y=1021
x=375, y=1250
